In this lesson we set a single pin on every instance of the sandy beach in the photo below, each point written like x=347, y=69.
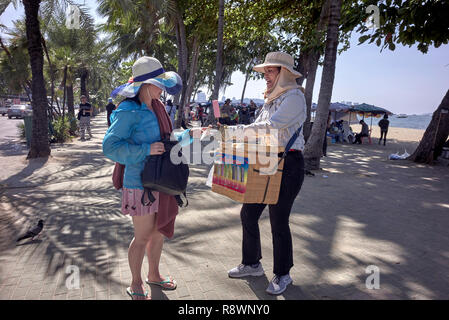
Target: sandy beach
x=399, y=134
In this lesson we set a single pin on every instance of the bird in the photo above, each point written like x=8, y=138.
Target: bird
x=32, y=232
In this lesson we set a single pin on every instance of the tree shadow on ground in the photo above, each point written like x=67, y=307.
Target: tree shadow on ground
x=368, y=211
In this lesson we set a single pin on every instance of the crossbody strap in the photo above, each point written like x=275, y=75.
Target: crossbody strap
x=290, y=143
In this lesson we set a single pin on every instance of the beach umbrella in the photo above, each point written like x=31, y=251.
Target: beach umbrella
x=368, y=110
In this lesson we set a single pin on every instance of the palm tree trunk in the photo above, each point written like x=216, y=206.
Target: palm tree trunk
x=219, y=60
x=70, y=100
x=313, y=57
x=39, y=142
x=83, y=83
x=314, y=146
x=244, y=86
x=435, y=136
x=310, y=84
x=52, y=79
x=182, y=63
x=193, y=69
x=302, y=66
x=64, y=80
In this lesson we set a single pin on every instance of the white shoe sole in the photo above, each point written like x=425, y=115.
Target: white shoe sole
x=253, y=274
x=279, y=292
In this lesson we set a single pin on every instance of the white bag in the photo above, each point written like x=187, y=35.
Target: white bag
x=209, y=177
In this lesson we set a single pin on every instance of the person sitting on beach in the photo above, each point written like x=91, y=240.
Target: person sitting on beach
x=363, y=133
x=336, y=133
x=383, y=124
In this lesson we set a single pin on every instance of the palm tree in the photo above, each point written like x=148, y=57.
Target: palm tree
x=313, y=147
x=40, y=146
x=219, y=61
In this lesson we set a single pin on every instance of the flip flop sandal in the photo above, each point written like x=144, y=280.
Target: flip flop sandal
x=133, y=294
x=168, y=279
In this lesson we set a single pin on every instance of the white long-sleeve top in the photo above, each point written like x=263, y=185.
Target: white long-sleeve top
x=285, y=113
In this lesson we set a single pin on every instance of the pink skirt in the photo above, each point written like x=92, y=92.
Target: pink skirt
x=132, y=205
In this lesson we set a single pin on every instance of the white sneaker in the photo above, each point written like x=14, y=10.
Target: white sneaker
x=245, y=270
x=279, y=284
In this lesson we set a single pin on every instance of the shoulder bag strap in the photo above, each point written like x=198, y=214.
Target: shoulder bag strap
x=290, y=143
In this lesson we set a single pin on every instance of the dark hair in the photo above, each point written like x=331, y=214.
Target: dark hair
x=385, y=116
x=134, y=99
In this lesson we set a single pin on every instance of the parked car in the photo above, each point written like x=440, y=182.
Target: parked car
x=19, y=111
x=4, y=110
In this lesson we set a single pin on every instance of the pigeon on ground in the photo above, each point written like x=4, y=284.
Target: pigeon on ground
x=33, y=232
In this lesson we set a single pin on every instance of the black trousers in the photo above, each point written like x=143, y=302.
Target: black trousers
x=358, y=138
x=383, y=134
x=292, y=179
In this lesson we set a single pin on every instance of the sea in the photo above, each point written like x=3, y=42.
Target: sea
x=413, y=121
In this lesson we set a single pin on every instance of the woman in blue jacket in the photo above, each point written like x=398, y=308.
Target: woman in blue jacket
x=134, y=135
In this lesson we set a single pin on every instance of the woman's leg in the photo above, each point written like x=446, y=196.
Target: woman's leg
x=143, y=225
x=251, y=249
x=292, y=179
x=154, y=251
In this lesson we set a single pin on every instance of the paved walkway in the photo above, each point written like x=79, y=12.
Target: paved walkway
x=85, y=231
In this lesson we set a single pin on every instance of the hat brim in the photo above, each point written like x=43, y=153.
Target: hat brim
x=168, y=81
x=260, y=68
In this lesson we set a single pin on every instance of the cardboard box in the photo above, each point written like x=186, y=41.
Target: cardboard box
x=248, y=175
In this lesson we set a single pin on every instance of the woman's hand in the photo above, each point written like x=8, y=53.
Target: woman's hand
x=157, y=148
x=196, y=132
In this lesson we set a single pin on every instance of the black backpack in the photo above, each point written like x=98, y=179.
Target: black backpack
x=161, y=174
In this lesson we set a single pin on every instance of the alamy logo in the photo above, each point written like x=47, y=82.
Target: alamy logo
x=373, y=21
x=373, y=280
x=72, y=17
x=73, y=280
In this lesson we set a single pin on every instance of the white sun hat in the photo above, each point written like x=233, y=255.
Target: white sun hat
x=278, y=59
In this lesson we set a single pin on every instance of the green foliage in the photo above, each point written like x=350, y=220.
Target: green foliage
x=73, y=125
x=408, y=22
x=61, y=127
x=21, y=127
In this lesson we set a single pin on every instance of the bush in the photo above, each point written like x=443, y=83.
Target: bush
x=21, y=127
x=61, y=127
x=73, y=126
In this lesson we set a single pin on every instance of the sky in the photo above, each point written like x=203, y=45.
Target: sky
x=401, y=81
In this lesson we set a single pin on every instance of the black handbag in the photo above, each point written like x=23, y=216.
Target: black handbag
x=161, y=174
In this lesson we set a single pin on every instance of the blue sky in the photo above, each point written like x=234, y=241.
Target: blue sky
x=402, y=81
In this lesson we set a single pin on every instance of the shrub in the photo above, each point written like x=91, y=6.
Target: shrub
x=21, y=127
x=73, y=126
x=61, y=127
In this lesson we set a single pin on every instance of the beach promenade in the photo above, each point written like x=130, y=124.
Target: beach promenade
x=361, y=210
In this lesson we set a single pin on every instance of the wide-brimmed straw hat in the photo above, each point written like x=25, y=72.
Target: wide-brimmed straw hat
x=149, y=70
x=278, y=59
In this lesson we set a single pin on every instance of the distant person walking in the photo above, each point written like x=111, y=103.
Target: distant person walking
x=109, y=108
x=363, y=133
x=383, y=124
x=84, y=114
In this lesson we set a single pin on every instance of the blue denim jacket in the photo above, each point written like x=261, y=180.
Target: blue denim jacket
x=133, y=129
